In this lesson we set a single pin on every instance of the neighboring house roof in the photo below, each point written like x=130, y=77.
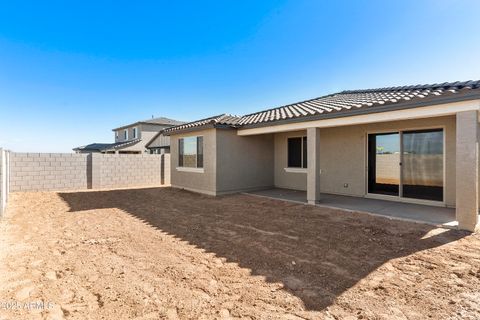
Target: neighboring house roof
x=106, y=146
x=93, y=147
x=222, y=120
x=157, y=121
x=163, y=120
x=351, y=102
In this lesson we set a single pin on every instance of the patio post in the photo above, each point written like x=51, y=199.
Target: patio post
x=313, y=165
x=467, y=170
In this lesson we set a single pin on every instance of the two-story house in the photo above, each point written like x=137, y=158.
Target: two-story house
x=134, y=138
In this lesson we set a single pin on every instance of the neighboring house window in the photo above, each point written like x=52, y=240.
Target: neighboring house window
x=190, y=152
x=125, y=134
x=297, y=152
x=135, y=133
x=116, y=135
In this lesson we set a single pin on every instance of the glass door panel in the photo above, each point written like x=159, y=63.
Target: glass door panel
x=384, y=163
x=422, y=164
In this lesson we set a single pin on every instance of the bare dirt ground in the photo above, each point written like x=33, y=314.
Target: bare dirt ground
x=164, y=253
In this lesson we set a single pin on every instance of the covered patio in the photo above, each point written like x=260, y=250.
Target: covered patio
x=424, y=168
x=439, y=216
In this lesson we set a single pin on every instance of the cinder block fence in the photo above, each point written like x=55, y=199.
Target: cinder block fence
x=69, y=171
x=48, y=171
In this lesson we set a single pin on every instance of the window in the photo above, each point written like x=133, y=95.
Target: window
x=190, y=152
x=116, y=135
x=135, y=133
x=125, y=134
x=297, y=152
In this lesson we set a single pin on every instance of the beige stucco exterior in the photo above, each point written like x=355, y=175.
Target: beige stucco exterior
x=204, y=182
x=343, y=158
x=467, y=170
x=235, y=163
x=145, y=132
x=255, y=158
x=243, y=163
x=231, y=163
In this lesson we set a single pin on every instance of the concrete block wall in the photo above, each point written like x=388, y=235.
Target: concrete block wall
x=125, y=170
x=48, y=171
x=68, y=171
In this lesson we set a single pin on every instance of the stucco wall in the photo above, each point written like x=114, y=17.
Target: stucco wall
x=283, y=179
x=243, y=163
x=231, y=163
x=146, y=132
x=196, y=181
x=121, y=133
x=343, y=156
x=165, y=178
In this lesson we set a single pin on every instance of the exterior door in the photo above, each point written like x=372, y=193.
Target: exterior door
x=422, y=164
x=407, y=164
x=384, y=163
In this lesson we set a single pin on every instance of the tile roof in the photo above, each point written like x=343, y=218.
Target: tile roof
x=106, y=146
x=357, y=99
x=215, y=121
x=160, y=121
x=93, y=147
x=163, y=120
x=341, y=103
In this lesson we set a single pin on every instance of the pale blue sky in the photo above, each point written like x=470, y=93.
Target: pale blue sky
x=70, y=72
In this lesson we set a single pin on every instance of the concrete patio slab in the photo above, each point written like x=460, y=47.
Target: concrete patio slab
x=439, y=216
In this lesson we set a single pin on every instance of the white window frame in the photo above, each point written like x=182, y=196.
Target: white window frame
x=125, y=134
x=135, y=133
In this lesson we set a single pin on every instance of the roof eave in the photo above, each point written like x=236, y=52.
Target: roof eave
x=199, y=128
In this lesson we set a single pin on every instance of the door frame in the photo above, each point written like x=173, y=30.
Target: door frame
x=400, y=198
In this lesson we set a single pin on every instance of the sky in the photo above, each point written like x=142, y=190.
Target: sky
x=70, y=71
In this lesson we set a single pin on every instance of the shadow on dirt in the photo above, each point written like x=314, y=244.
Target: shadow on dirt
x=317, y=253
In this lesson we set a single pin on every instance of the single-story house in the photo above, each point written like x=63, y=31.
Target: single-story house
x=414, y=144
x=134, y=138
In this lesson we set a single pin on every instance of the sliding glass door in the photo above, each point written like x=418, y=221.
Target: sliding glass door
x=422, y=164
x=383, y=160
x=407, y=164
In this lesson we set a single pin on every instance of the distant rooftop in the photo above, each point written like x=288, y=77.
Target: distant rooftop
x=106, y=146
x=158, y=121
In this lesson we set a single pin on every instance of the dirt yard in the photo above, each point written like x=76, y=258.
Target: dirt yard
x=165, y=253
